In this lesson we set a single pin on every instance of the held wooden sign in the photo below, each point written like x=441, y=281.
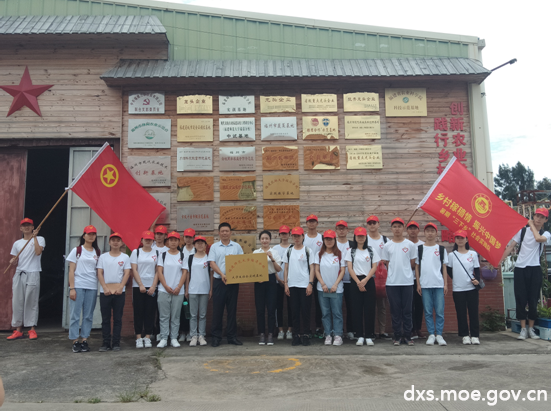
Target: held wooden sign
x=239, y=217
x=195, y=189
x=246, y=268
x=321, y=158
x=280, y=158
x=248, y=242
x=276, y=216
x=235, y=188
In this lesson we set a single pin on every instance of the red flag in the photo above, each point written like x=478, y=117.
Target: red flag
x=118, y=199
x=461, y=202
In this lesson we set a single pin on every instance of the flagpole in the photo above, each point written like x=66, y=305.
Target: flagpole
x=38, y=228
x=410, y=219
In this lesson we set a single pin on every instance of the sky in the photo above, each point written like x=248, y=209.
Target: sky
x=517, y=95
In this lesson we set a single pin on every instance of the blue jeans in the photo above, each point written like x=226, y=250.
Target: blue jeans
x=434, y=299
x=331, y=308
x=85, y=304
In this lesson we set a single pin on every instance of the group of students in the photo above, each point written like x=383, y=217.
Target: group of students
x=328, y=266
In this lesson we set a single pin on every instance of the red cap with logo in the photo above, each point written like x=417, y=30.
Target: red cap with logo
x=189, y=232
x=342, y=222
x=413, y=223
x=372, y=218
x=116, y=235
x=542, y=211
x=161, y=229
x=397, y=220
x=431, y=225
x=26, y=221
x=329, y=234
x=173, y=234
x=284, y=229
x=148, y=235
x=461, y=233
x=360, y=231
x=200, y=238
x=312, y=217
x=90, y=229
x=297, y=230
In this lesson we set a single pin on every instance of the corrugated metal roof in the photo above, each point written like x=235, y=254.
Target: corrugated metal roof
x=395, y=67
x=81, y=25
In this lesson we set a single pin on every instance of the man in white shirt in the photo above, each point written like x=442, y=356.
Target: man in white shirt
x=413, y=229
x=313, y=240
x=527, y=272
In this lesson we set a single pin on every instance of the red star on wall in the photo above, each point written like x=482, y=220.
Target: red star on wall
x=25, y=94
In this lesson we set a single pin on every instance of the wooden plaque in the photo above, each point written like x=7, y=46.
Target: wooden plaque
x=280, y=187
x=241, y=218
x=318, y=103
x=195, y=189
x=276, y=216
x=235, y=188
x=361, y=102
x=248, y=242
x=320, y=128
x=280, y=158
x=249, y=268
x=321, y=157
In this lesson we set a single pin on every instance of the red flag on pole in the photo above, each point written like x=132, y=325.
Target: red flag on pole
x=109, y=189
x=461, y=202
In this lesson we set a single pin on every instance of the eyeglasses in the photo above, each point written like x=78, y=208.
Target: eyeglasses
x=372, y=223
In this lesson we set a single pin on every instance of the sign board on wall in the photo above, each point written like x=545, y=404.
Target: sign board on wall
x=248, y=242
x=198, y=104
x=321, y=157
x=237, y=158
x=280, y=158
x=165, y=200
x=360, y=102
x=405, y=102
x=146, y=102
x=194, y=129
x=278, y=128
x=278, y=104
x=364, y=157
x=152, y=133
x=150, y=171
x=236, y=104
x=320, y=128
x=236, y=188
x=198, y=218
x=281, y=187
x=241, y=218
x=318, y=103
x=362, y=127
x=194, y=159
x=195, y=189
x=237, y=129
x=276, y=216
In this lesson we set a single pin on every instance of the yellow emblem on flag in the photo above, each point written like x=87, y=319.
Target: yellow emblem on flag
x=482, y=205
x=109, y=175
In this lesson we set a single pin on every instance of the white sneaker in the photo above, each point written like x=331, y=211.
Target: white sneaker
x=328, y=340
x=466, y=340
x=139, y=343
x=289, y=335
x=351, y=336
x=281, y=335
x=202, y=340
x=522, y=334
x=182, y=337
x=430, y=340
x=369, y=341
x=175, y=343
x=360, y=341
x=193, y=342
x=441, y=340
x=162, y=343
x=533, y=334
x=147, y=342
x=337, y=340
x=475, y=341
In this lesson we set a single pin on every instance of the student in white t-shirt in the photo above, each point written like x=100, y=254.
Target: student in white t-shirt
x=26, y=281
x=171, y=272
x=143, y=262
x=113, y=273
x=313, y=241
x=344, y=245
x=329, y=267
x=463, y=268
x=160, y=238
x=188, y=249
x=432, y=283
x=281, y=249
x=413, y=230
x=400, y=255
x=299, y=282
x=527, y=271
x=199, y=289
x=362, y=262
x=83, y=288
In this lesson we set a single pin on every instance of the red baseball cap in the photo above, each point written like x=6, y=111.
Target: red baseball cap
x=90, y=229
x=29, y=221
x=431, y=225
x=397, y=220
x=372, y=218
x=189, y=232
x=414, y=223
x=329, y=234
x=148, y=235
x=542, y=211
x=461, y=233
x=116, y=235
x=312, y=217
x=161, y=229
x=342, y=222
x=360, y=231
x=173, y=234
x=285, y=229
x=200, y=238
x=297, y=230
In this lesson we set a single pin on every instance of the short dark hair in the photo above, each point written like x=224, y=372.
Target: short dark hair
x=265, y=232
x=221, y=225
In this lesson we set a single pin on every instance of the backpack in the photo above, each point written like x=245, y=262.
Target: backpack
x=353, y=252
x=421, y=252
x=190, y=259
x=138, y=253
x=306, y=251
x=384, y=239
x=523, y=231
x=165, y=253
x=79, y=252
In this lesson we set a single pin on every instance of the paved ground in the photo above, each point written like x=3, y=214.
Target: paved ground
x=273, y=378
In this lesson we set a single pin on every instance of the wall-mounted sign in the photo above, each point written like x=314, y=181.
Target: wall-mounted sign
x=199, y=104
x=237, y=129
x=236, y=104
x=237, y=158
x=364, y=157
x=405, y=102
x=194, y=129
x=154, y=133
x=150, y=171
x=278, y=128
x=165, y=200
x=320, y=128
x=315, y=103
x=321, y=157
x=241, y=218
x=146, y=102
x=361, y=102
x=278, y=104
x=362, y=127
x=280, y=158
x=248, y=242
x=194, y=159
x=195, y=189
x=281, y=187
x=276, y=216
x=236, y=188
x=198, y=218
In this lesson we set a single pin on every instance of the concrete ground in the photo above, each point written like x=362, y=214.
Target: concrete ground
x=45, y=375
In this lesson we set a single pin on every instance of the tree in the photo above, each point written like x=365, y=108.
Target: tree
x=510, y=180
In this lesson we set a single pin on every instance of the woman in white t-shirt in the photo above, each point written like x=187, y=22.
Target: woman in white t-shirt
x=362, y=262
x=172, y=277
x=83, y=288
x=299, y=279
x=199, y=289
x=281, y=249
x=143, y=262
x=266, y=291
x=330, y=269
x=463, y=268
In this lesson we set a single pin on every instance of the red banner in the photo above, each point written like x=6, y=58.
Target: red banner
x=109, y=189
x=461, y=202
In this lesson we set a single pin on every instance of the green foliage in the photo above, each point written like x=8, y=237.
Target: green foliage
x=492, y=320
x=545, y=282
x=510, y=180
x=128, y=396
x=543, y=312
x=153, y=398
x=94, y=400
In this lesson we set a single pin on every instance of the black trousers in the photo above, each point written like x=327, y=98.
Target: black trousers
x=467, y=301
x=417, y=309
x=224, y=295
x=349, y=306
x=527, y=285
x=107, y=304
x=265, y=297
x=364, y=308
x=400, y=303
x=280, y=296
x=317, y=309
x=145, y=307
x=300, y=310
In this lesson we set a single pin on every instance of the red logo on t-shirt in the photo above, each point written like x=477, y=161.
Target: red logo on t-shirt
x=179, y=261
x=335, y=260
x=367, y=258
x=205, y=264
x=470, y=259
x=154, y=257
x=121, y=263
x=436, y=252
x=381, y=246
x=95, y=257
x=405, y=249
x=319, y=243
